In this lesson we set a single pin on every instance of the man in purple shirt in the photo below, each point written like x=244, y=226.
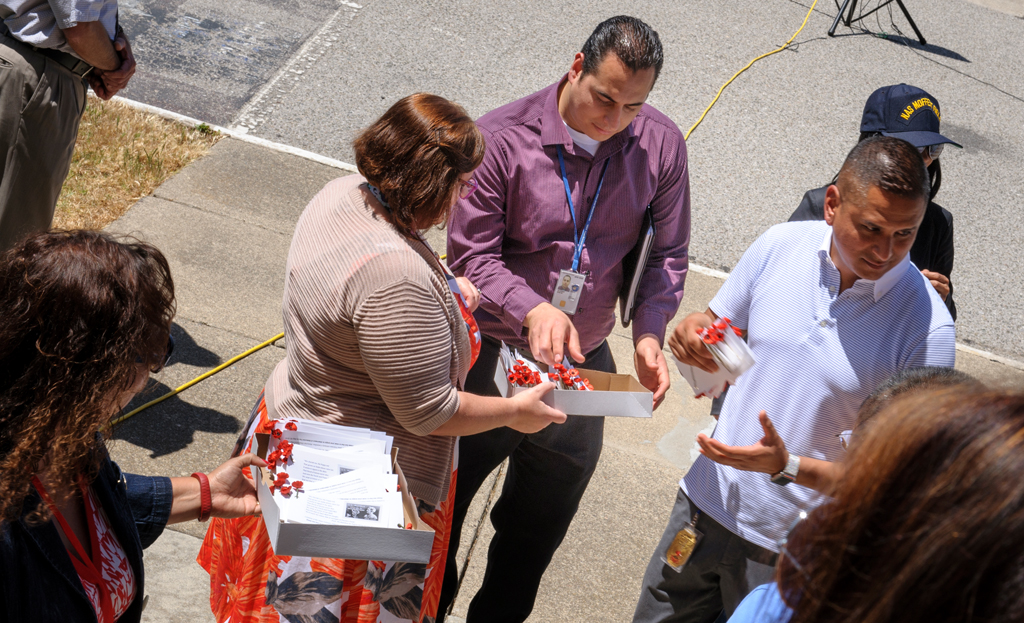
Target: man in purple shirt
x=519, y=237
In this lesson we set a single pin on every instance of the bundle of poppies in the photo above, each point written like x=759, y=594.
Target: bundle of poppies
x=731, y=352
x=281, y=456
x=524, y=374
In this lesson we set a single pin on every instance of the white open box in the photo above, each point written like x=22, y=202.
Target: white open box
x=351, y=542
x=614, y=395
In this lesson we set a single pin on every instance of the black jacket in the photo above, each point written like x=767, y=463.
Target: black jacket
x=40, y=584
x=932, y=250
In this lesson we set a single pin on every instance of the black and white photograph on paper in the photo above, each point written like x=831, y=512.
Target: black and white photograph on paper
x=362, y=511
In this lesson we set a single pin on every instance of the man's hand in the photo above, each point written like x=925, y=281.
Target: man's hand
x=110, y=82
x=769, y=455
x=549, y=330
x=651, y=367
x=939, y=281
x=469, y=292
x=688, y=347
x=98, y=86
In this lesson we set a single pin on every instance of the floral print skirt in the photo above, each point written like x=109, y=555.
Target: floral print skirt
x=250, y=584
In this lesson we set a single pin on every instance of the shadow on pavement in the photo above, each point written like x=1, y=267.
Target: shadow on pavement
x=170, y=426
x=930, y=48
x=899, y=39
x=186, y=350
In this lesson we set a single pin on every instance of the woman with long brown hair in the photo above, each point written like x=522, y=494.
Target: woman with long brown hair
x=84, y=319
x=379, y=335
x=927, y=524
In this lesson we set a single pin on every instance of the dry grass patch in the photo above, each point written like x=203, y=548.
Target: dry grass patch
x=122, y=155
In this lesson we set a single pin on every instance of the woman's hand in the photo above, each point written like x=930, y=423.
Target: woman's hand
x=469, y=292
x=687, y=346
x=531, y=414
x=232, y=494
x=939, y=281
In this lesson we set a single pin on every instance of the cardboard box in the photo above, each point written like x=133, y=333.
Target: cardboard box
x=351, y=542
x=614, y=395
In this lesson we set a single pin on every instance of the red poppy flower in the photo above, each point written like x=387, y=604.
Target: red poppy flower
x=291, y=426
x=276, y=433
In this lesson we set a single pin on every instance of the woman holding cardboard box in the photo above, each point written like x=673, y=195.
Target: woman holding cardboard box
x=379, y=335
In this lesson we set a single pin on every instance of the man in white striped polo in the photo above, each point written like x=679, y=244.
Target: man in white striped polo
x=831, y=309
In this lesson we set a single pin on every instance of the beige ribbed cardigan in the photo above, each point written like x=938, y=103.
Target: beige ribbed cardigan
x=374, y=336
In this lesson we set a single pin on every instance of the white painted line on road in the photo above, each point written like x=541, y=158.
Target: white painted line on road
x=331, y=162
x=239, y=134
x=257, y=109
x=710, y=272
x=990, y=356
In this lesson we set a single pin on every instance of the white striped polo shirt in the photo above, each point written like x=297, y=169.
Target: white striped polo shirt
x=819, y=355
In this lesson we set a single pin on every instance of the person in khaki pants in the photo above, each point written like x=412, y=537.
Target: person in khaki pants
x=49, y=50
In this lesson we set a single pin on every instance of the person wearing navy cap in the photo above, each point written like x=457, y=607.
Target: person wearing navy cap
x=909, y=113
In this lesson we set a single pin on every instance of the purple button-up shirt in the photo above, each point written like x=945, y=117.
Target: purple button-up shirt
x=515, y=233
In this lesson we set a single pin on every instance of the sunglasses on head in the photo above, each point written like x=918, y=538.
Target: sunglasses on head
x=931, y=150
x=467, y=188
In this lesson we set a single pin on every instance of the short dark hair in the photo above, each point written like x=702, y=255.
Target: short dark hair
x=414, y=155
x=909, y=380
x=635, y=43
x=891, y=164
x=934, y=169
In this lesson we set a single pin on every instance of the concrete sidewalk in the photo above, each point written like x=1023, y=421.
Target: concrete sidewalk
x=225, y=224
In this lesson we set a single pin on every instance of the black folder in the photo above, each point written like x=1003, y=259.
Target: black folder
x=633, y=266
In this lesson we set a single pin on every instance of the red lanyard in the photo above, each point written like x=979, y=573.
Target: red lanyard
x=87, y=568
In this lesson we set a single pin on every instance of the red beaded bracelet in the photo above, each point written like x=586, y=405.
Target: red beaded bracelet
x=205, y=500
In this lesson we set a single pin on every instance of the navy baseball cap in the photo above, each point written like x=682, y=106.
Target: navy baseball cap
x=905, y=112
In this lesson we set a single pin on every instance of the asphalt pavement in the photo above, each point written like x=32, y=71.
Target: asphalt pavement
x=311, y=73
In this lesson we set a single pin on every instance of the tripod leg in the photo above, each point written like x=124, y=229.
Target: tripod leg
x=906, y=14
x=853, y=9
x=839, y=16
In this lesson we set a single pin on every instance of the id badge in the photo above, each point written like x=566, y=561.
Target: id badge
x=568, y=291
x=682, y=546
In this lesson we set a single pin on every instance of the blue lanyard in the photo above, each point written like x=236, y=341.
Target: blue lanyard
x=580, y=238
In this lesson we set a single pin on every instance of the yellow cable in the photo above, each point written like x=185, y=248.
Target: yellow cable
x=281, y=335
x=202, y=377
x=779, y=49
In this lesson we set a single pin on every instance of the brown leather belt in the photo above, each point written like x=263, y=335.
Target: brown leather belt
x=69, y=61
x=74, y=64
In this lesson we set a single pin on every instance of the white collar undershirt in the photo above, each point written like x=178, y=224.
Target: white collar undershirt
x=588, y=144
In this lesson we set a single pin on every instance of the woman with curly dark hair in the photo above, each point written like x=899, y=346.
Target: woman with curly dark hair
x=926, y=525
x=85, y=319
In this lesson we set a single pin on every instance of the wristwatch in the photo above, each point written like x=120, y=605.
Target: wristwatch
x=788, y=473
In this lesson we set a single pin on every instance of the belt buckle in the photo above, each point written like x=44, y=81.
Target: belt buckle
x=78, y=66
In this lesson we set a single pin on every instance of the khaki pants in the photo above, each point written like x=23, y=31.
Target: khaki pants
x=41, y=105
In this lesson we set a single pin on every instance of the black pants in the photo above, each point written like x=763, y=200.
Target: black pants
x=547, y=474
